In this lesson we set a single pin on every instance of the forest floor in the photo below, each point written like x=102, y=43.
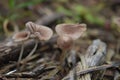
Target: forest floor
x=95, y=56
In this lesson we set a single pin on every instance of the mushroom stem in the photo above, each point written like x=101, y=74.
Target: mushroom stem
x=62, y=62
x=34, y=49
x=62, y=58
x=30, y=54
x=20, y=55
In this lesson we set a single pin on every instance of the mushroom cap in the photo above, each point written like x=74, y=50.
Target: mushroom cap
x=40, y=31
x=72, y=30
x=21, y=36
x=65, y=42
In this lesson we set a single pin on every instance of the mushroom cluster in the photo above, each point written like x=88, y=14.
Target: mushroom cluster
x=67, y=33
x=34, y=31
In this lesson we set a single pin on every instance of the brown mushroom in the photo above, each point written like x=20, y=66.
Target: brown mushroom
x=38, y=33
x=71, y=30
x=68, y=33
x=21, y=37
x=64, y=42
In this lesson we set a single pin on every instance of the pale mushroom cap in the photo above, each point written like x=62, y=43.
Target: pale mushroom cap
x=40, y=31
x=72, y=30
x=44, y=33
x=21, y=36
x=64, y=42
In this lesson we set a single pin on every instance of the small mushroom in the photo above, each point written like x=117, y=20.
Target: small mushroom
x=21, y=37
x=38, y=33
x=71, y=30
x=64, y=42
x=68, y=33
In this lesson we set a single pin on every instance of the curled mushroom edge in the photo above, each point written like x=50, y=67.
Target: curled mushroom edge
x=21, y=36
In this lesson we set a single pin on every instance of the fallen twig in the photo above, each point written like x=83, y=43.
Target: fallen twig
x=97, y=68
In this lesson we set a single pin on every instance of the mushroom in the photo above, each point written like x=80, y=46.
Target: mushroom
x=21, y=37
x=64, y=42
x=71, y=30
x=38, y=33
x=68, y=33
